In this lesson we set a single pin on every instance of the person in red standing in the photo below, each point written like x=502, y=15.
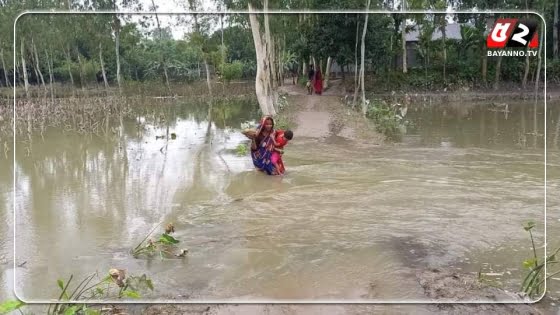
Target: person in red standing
x=281, y=139
x=318, y=82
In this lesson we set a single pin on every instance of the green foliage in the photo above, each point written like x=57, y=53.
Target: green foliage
x=281, y=122
x=388, y=119
x=162, y=247
x=9, y=306
x=533, y=283
x=115, y=284
x=241, y=149
x=232, y=71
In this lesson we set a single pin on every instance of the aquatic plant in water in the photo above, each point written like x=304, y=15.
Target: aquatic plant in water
x=533, y=284
x=388, y=119
x=162, y=246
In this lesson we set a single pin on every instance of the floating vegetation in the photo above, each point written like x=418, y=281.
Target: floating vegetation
x=165, y=245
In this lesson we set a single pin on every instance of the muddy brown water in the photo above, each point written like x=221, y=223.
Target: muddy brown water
x=349, y=220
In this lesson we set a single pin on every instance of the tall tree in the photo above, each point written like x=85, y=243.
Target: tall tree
x=263, y=80
x=362, y=67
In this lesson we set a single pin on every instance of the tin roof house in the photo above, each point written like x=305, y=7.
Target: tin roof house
x=452, y=32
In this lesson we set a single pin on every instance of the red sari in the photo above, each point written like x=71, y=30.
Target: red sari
x=318, y=84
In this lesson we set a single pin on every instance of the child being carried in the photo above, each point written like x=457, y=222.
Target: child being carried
x=281, y=139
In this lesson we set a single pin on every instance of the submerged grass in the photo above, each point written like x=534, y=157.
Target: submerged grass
x=533, y=283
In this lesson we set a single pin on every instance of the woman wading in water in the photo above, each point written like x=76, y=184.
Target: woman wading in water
x=262, y=146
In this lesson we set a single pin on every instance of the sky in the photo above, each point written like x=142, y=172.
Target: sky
x=178, y=28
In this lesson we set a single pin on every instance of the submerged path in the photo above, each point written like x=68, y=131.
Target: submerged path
x=322, y=121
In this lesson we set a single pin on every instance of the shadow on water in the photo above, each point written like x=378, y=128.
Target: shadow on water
x=465, y=178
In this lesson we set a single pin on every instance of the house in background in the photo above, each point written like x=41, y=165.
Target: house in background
x=452, y=32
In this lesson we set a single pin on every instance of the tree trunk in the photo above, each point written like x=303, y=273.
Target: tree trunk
x=34, y=48
x=69, y=62
x=271, y=56
x=8, y=83
x=362, y=67
x=327, y=73
x=211, y=102
x=555, y=32
x=443, y=39
x=263, y=87
x=537, y=78
x=484, y=59
x=527, y=65
x=117, y=52
x=403, y=35
x=51, y=76
x=82, y=80
x=163, y=59
x=103, y=67
x=356, y=82
x=498, y=70
x=24, y=68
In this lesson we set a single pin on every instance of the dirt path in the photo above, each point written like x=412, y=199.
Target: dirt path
x=326, y=118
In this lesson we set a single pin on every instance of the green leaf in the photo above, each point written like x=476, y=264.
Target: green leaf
x=529, y=225
x=529, y=263
x=8, y=306
x=60, y=284
x=168, y=239
x=131, y=294
x=150, y=284
x=71, y=310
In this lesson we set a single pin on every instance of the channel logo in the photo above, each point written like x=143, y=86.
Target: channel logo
x=514, y=33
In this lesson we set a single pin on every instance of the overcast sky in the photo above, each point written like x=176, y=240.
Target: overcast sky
x=179, y=26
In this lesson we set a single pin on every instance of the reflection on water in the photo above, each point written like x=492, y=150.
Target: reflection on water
x=342, y=221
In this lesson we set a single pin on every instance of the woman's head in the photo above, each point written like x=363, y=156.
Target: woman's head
x=268, y=123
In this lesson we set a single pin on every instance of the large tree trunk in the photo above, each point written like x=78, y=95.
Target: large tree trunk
x=356, y=82
x=327, y=73
x=498, y=70
x=555, y=32
x=24, y=68
x=8, y=83
x=263, y=86
x=103, y=67
x=37, y=65
x=362, y=67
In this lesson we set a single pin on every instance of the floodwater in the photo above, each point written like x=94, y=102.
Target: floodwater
x=347, y=221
